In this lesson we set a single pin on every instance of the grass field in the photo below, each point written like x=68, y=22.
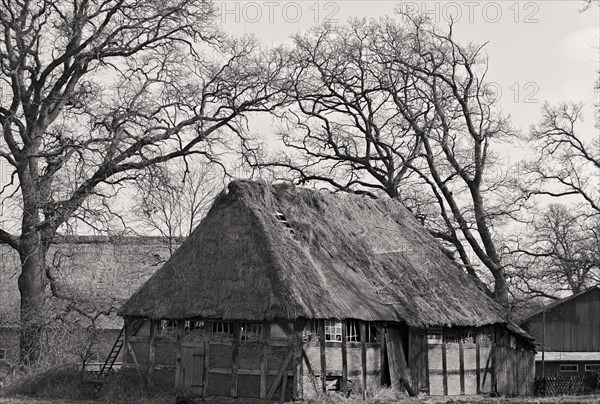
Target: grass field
x=335, y=400
x=24, y=400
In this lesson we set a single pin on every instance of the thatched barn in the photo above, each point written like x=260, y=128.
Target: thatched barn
x=282, y=291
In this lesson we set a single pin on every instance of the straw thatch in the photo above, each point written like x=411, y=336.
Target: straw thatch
x=342, y=256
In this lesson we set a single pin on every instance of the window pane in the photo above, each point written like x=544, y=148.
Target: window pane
x=569, y=368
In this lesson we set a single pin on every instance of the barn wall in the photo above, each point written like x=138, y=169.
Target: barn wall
x=466, y=362
x=361, y=338
x=333, y=355
x=514, y=366
x=467, y=367
x=552, y=368
x=449, y=362
x=573, y=326
x=418, y=359
x=208, y=366
x=211, y=364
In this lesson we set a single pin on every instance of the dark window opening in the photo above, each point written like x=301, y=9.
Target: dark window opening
x=569, y=368
x=222, y=328
x=372, y=335
x=193, y=326
x=167, y=328
x=251, y=331
x=353, y=331
x=333, y=331
x=334, y=383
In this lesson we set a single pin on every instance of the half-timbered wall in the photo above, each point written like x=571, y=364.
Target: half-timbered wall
x=460, y=362
x=219, y=359
x=282, y=361
x=334, y=365
x=341, y=355
x=465, y=362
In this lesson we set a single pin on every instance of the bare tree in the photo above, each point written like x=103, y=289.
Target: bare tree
x=172, y=201
x=566, y=164
x=98, y=90
x=587, y=4
x=560, y=252
x=403, y=110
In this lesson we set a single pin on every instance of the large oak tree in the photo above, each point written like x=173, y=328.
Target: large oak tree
x=400, y=109
x=95, y=91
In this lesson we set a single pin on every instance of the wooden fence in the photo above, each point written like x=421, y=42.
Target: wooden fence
x=587, y=383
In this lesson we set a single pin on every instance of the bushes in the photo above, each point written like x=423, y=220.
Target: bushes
x=64, y=382
x=69, y=383
x=130, y=386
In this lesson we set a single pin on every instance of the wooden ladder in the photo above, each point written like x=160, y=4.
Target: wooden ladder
x=116, y=349
x=113, y=355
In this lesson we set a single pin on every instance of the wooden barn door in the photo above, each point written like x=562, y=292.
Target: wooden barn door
x=396, y=348
x=192, y=361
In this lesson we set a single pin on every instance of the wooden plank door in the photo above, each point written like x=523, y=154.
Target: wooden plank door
x=396, y=358
x=192, y=361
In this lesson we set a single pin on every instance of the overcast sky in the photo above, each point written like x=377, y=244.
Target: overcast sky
x=538, y=51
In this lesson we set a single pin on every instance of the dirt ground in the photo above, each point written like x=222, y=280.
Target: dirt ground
x=531, y=400
x=426, y=400
x=35, y=401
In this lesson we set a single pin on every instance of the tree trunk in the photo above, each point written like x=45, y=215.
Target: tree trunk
x=32, y=286
x=501, y=288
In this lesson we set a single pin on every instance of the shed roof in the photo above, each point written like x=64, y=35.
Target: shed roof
x=558, y=303
x=278, y=251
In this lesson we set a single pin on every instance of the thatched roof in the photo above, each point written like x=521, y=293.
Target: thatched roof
x=339, y=256
x=87, y=273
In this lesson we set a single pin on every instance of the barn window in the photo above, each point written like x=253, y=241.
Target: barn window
x=167, y=328
x=251, y=331
x=333, y=330
x=569, y=368
x=2, y=354
x=193, y=328
x=371, y=332
x=592, y=367
x=222, y=330
x=353, y=331
x=311, y=331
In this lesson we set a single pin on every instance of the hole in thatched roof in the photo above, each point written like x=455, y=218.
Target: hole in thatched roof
x=281, y=218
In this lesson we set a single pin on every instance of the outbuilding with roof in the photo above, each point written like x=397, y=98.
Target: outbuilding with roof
x=283, y=291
